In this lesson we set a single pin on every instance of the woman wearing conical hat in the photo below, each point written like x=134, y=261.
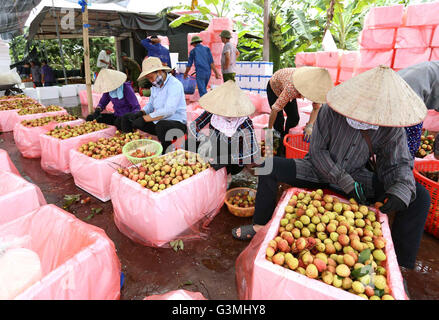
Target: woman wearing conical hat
x=115, y=89
x=232, y=142
x=288, y=84
x=364, y=116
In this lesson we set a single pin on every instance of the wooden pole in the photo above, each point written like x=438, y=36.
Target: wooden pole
x=87, y=59
x=266, y=48
x=61, y=52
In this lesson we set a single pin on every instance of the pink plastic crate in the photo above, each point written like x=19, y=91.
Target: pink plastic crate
x=434, y=54
x=206, y=36
x=220, y=24
x=435, y=38
x=377, y=38
x=408, y=57
x=384, y=17
x=413, y=37
x=373, y=58
x=217, y=49
x=327, y=59
x=305, y=59
x=422, y=14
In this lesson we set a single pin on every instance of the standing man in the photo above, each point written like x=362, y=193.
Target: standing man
x=228, y=57
x=36, y=73
x=47, y=75
x=132, y=69
x=155, y=49
x=104, y=59
x=202, y=57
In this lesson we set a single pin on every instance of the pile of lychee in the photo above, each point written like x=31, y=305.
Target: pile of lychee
x=426, y=147
x=338, y=243
x=108, y=147
x=263, y=148
x=19, y=104
x=67, y=132
x=138, y=153
x=160, y=173
x=39, y=122
x=34, y=110
x=242, y=200
x=13, y=97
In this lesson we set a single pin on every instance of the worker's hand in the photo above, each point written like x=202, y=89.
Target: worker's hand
x=217, y=75
x=358, y=193
x=393, y=204
x=307, y=131
x=205, y=149
x=185, y=76
x=94, y=115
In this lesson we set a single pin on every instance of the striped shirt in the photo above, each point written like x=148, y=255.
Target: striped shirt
x=338, y=155
x=282, y=84
x=244, y=139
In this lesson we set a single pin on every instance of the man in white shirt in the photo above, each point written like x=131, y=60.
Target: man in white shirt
x=228, y=56
x=104, y=59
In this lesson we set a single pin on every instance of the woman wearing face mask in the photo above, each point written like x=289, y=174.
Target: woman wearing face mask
x=166, y=109
x=114, y=88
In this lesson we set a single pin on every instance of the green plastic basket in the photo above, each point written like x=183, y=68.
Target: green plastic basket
x=146, y=145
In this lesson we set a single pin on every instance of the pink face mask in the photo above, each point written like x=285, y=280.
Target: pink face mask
x=226, y=125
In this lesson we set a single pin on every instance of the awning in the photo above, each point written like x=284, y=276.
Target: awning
x=13, y=16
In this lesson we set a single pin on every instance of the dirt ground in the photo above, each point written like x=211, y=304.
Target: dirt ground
x=206, y=266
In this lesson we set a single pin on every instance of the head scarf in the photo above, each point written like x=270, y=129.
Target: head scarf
x=361, y=125
x=117, y=93
x=226, y=125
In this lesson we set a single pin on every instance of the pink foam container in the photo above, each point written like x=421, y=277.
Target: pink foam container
x=422, y=14
x=384, y=17
x=220, y=24
x=78, y=260
x=349, y=59
x=216, y=48
x=305, y=59
x=55, y=153
x=377, y=38
x=27, y=139
x=327, y=59
x=17, y=197
x=435, y=38
x=373, y=58
x=333, y=72
x=164, y=40
x=94, y=175
x=206, y=36
x=177, y=295
x=408, y=57
x=431, y=122
x=6, y=123
x=6, y=163
x=434, y=54
x=255, y=276
x=180, y=212
x=413, y=37
x=345, y=74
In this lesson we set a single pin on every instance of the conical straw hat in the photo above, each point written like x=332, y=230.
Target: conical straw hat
x=313, y=83
x=380, y=97
x=152, y=64
x=227, y=100
x=108, y=80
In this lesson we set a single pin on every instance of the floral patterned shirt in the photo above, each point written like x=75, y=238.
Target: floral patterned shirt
x=282, y=84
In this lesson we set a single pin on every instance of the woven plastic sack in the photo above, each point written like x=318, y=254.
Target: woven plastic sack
x=78, y=259
x=177, y=295
x=256, y=276
x=55, y=153
x=328, y=59
x=407, y=57
x=94, y=175
x=305, y=59
x=27, y=139
x=180, y=212
x=348, y=62
x=384, y=17
x=17, y=197
x=377, y=38
x=6, y=164
x=373, y=58
x=422, y=14
x=220, y=24
x=206, y=36
x=414, y=37
x=189, y=84
x=431, y=122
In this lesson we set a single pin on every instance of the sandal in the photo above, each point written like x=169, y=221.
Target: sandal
x=247, y=232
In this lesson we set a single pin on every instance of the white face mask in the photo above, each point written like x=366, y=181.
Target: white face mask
x=361, y=125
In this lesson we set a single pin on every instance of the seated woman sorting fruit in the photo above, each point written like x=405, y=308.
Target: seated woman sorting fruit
x=232, y=142
x=288, y=84
x=165, y=114
x=340, y=152
x=114, y=88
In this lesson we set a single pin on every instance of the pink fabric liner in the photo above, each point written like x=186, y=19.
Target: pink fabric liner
x=6, y=163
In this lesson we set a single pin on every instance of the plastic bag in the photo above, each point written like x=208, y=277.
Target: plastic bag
x=431, y=122
x=414, y=37
x=328, y=42
x=6, y=164
x=177, y=295
x=189, y=83
x=78, y=260
x=407, y=57
x=17, y=196
x=16, y=118
x=377, y=38
x=154, y=219
x=10, y=77
x=55, y=153
x=384, y=17
x=255, y=276
x=27, y=139
x=422, y=14
x=6, y=123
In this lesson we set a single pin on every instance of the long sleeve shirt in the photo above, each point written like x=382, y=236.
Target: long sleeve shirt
x=48, y=73
x=338, y=155
x=282, y=84
x=168, y=101
x=157, y=50
x=202, y=57
x=127, y=104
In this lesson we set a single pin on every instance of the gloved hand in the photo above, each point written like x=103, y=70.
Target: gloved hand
x=205, y=147
x=358, y=194
x=307, y=131
x=393, y=204
x=94, y=115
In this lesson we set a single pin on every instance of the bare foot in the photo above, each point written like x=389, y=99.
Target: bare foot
x=256, y=227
